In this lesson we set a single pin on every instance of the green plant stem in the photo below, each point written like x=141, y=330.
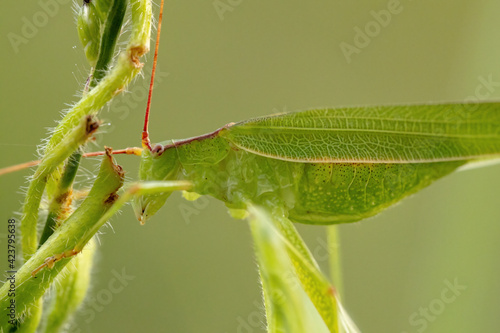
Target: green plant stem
x=61, y=196
x=49, y=163
x=72, y=235
x=58, y=193
x=72, y=285
x=110, y=35
x=29, y=323
x=335, y=259
x=127, y=67
x=116, y=80
x=79, y=229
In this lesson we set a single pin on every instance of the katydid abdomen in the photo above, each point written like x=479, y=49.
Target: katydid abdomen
x=328, y=166
x=316, y=193
x=349, y=192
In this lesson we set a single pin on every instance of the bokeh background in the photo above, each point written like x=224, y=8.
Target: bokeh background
x=192, y=268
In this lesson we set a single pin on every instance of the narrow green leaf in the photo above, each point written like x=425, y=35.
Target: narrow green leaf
x=285, y=304
x=315, y=284
x=111, y=32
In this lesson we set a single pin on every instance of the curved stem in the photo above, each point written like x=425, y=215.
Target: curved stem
x=126, y=68
x=28, y=289
x=49, y=163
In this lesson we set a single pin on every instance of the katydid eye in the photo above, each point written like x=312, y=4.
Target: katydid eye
x=156, y=149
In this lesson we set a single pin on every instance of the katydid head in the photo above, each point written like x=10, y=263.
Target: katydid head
x=155, y=165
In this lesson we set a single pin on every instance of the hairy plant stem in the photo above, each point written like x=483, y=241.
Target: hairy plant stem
x=72, y=285
x=59, y=194
x=66, y=241
x=51, y=160
x=63, y=143
x=126, y=68
x=59, y=208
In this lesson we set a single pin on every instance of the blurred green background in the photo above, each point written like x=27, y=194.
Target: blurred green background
x=192, y=268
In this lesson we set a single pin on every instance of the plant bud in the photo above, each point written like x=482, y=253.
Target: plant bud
x=89, y=31
x=102, y=7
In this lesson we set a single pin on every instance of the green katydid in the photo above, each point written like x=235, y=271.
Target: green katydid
x=323, y=166
x=320, y=166
x=326, y=166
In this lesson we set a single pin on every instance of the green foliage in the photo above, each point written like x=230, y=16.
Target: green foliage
x=318, y=166
x=284, y=257
x=74, y=230
x=285, y=306
x=67, y=240
x=110, y=34
x=51, y=160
